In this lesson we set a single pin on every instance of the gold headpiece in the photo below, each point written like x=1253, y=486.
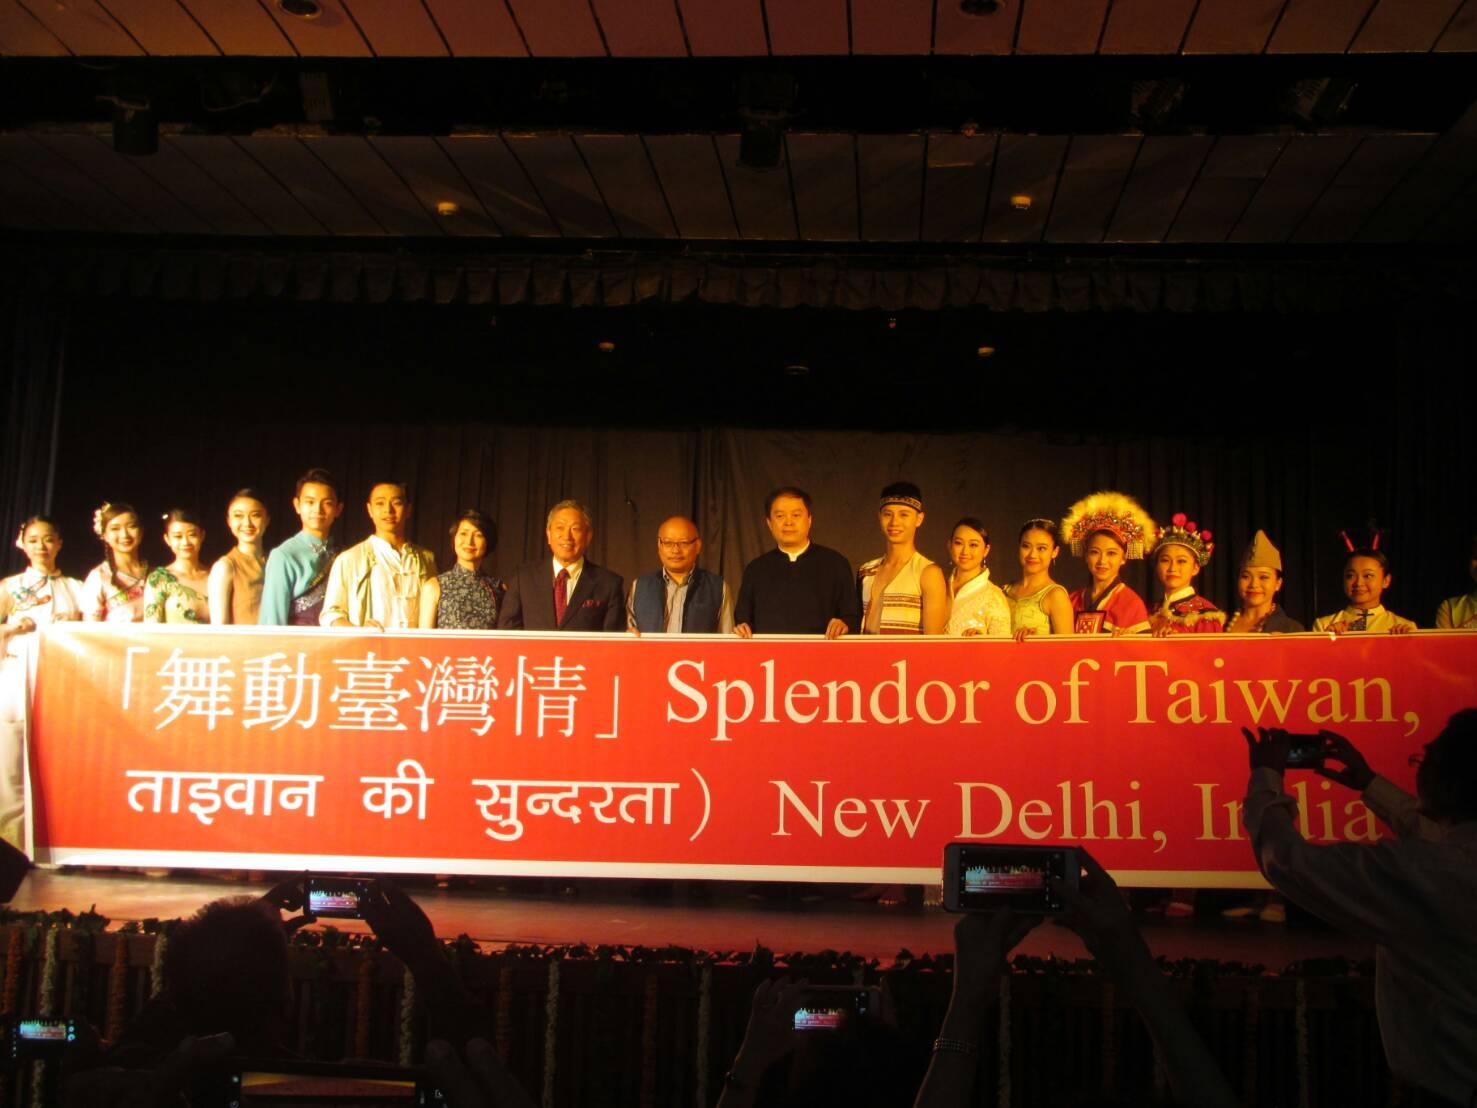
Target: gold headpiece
x=1183, y=531
x=1114, y=512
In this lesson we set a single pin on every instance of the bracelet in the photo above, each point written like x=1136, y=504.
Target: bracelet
x=956, y=1046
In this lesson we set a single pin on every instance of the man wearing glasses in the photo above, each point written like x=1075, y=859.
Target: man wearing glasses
x=679, y=598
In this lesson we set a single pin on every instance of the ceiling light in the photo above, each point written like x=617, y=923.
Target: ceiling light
x=986, y=351
x=605, y=346
x=447, y=207
x=797, y=369
x=1020, y=202
x=301, y=9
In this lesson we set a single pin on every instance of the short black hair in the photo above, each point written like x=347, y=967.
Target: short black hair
x=1370, y=552
x=401, y=485
x=902, y=488
x=480, y=521
x=1447, y=778
x=788, y=490
x=317, y=476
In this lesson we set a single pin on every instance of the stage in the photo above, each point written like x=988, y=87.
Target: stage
x=705, y=916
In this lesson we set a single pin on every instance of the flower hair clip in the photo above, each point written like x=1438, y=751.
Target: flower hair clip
x=20, y=538
x=97, y=519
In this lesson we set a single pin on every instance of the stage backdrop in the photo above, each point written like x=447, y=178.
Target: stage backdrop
x=784, y=758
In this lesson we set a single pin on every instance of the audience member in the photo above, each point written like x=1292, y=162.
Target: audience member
x=380, y=582
x=680, y=597
x=571, y=593
x=1414, y=896
x=799, y=588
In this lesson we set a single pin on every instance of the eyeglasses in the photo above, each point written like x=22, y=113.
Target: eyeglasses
x=675, y=544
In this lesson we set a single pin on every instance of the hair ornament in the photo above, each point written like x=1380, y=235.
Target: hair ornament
x=20, y=538
x=1184, y=531
x=97, y=518
x=1115, y=513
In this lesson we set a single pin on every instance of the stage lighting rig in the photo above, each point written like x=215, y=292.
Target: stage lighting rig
x=766, y=103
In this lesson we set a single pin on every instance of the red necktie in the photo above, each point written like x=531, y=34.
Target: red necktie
x=561, y=596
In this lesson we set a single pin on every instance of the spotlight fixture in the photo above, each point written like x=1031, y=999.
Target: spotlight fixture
x=797, y=369
x=979, y=7
x=301, y=9
x=765, y=102
x=447, y=207
x=135, y=128
x=986, y=352
x=1021, y=202
x=605, y=346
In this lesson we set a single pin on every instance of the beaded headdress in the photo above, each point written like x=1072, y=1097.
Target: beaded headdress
x=1183, y=531
x=1114, y=512
x=903, y=492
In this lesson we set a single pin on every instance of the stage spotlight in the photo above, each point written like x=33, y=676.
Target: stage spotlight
x=135, y=130
x=301, y=9
x=605, y=346
x=1021, y=202
x=979, y=7
x=797, y=369
x=765, y=101
x=447, y=207
x=985, y=352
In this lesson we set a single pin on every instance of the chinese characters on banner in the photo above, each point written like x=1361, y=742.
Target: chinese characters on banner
x=699, y=757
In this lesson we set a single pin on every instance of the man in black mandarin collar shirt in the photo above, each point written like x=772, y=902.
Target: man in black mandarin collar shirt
x=799, y=588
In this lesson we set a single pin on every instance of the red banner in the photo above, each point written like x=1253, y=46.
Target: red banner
x=667, y=756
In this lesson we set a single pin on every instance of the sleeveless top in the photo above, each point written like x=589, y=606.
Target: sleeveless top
x=1026, y=611
x=247, y=575
x=902, y=602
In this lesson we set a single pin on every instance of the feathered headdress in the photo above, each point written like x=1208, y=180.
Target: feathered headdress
x=1114, y=512
x=1183, y=531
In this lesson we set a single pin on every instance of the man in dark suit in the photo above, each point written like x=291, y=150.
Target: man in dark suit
x=570, y=593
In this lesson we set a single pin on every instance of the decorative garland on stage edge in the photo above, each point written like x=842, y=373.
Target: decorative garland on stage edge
x=551, y=1030
x=156, y=967
x=407, y=1018
x=704, y=1023
x=51, y=939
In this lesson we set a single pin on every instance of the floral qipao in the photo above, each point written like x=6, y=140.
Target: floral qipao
x=40, y=597
x=167, y=599
x=469, y=601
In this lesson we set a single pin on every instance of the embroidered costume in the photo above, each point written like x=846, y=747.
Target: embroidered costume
x=1370, y=620
x=902, y=600
x=116, y=597
x=1183, y=612
x=295, y=581
x=1125, y=521
x=979, y=606
x=167, y=599
x=41, y=597
x=1123, y=609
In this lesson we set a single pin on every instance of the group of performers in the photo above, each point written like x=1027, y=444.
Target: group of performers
x=912, y=594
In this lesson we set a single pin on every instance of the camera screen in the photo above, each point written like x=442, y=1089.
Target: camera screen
x=818, y=1019
x=47, y=1031
x=998, y=877
x=300, y=1088
x=335, y=896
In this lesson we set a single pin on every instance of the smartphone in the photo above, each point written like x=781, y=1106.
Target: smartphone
x=40, y=1038
x=1304, y=751
x=282, y=1082
x=980, y=877
x=335, y=897
x=826, y=1007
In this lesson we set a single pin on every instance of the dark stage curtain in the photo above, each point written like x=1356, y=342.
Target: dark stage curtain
x=165, y=408
x=614, y=279
x=33, y=336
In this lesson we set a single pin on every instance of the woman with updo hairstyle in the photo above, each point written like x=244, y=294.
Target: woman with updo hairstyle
x=114, y=591
x=39, y=594
x=978, y=607
x=464, y=598
x=1038, y=605
x=235, y=583
x=1366, y=578
x=176, y=593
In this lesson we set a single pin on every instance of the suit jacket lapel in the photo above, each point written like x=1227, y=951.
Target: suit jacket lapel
x=538, y=596
x=582, y=590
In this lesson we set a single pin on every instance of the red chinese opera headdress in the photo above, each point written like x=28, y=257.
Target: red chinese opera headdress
x=1116, y=513
x=1183, y=531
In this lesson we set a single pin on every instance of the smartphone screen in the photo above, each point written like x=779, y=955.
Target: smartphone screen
x=1305, y=751
x=336, y=897
x=346, y=1084
x=31, y=1038
x=982, y=878
x=825, y=1007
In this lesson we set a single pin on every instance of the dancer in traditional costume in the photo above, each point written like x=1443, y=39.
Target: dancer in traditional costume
x=1107, y=529
x=902, y=592
x=1261, y=577
x=296, y=578
x=1366, y=578
x=176, y=593
x=235, y=587
x=1460, y=612
x=114, y=591
x=1180, y=553
x=1038, y=605
x=978, y=607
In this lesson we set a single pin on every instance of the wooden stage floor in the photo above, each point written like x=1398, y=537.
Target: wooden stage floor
x=711, y=916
